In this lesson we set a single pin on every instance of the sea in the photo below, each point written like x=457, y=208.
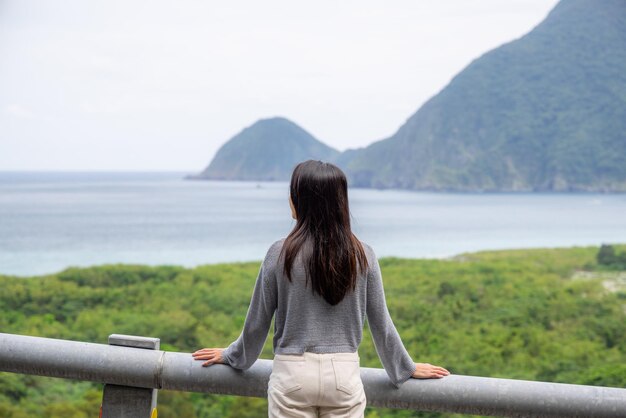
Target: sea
x=53, y=220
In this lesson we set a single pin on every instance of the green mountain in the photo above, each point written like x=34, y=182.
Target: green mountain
x=267, y=150
x=546, y=112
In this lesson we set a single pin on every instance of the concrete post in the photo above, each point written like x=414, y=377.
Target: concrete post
x=127, y=401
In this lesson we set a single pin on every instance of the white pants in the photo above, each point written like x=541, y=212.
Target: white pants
x=312, y=385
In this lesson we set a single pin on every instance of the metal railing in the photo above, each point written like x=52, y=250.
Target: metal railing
x=129, y=367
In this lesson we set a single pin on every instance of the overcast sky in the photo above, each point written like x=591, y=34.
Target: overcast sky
x=161, y=85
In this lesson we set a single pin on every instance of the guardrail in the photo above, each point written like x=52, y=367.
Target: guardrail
x=128, y=368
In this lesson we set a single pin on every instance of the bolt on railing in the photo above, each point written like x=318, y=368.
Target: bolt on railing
x=155, y=369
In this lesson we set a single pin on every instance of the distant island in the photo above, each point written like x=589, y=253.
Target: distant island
x=267, y=150
x=544, y=113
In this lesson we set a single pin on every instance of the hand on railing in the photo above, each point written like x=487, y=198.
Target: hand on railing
x=428, y=371
x=212, y=355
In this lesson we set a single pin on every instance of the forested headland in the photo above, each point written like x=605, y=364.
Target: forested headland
x=543, y=113
x=556, y=315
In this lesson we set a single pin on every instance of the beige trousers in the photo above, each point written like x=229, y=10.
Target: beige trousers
x=316, y=385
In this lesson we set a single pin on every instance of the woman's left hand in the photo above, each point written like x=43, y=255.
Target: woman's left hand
x=212, y=355
x=428, y=371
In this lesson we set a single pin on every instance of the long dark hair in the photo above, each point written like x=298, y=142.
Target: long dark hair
x=332, y=256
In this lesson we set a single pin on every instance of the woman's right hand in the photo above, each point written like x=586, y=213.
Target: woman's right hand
x=428, y=371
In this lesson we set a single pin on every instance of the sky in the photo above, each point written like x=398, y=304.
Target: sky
x=161, y=85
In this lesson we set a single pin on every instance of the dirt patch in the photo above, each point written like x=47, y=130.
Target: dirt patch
x=613, y=281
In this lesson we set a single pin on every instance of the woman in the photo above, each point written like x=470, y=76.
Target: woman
x=320, y=283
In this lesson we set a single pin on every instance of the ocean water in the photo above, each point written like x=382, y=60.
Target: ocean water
x=52, y=220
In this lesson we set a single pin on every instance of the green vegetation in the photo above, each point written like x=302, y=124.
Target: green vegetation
x=549, y=314
x=609, y=259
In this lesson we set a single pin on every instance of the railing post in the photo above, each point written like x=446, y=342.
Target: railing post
x=127, y=401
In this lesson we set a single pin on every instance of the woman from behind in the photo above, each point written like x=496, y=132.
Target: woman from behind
x=320, y=283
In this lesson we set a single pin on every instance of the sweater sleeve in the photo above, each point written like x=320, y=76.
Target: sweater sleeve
x=394, y=357
x=243, y=352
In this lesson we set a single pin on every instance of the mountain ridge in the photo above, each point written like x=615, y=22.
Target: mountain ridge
x=545, y=112
x=443, y=145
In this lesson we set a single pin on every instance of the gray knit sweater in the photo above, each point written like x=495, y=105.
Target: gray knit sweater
x=304, y=321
